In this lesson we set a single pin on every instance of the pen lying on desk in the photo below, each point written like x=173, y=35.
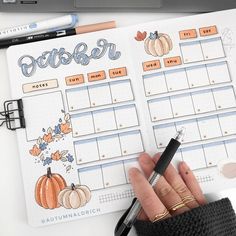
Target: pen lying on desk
x=127, y=220
x=56, y=34
x=59, y=23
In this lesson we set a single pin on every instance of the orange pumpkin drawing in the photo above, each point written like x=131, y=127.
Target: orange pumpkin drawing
x=48, y=138
x=65, y=128
x=56, y=156
x=35, y=151
x=47, y=189
x=158, y=44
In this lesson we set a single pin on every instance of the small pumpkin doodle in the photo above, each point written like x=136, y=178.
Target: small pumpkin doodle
x=47, y=189
x=74, y=196
x=158, y=44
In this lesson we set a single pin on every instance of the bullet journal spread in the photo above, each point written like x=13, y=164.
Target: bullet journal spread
x=92, y=103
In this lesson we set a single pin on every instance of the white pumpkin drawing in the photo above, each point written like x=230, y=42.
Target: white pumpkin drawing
x=74, y=196
x=158, y=44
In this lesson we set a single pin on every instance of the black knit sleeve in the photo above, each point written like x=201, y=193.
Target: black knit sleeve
x=214, y=219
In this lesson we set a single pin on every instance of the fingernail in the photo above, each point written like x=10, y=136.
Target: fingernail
x=132, y=171
x=144, y=158
x=184, y=167
x=156, y=157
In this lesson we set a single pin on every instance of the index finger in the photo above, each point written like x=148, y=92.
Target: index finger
x=144, y=192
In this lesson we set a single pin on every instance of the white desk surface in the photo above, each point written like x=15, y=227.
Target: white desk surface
x=13, y=218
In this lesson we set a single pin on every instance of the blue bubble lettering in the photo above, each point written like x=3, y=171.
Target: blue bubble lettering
x=57, y=57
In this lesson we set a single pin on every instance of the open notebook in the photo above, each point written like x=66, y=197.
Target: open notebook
x=93, y=102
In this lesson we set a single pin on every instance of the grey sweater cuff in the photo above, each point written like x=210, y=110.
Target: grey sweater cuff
x=214, y=219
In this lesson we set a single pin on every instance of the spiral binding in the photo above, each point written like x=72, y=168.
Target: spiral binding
x=13, y=111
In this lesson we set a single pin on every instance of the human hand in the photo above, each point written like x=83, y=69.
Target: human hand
x=173, y=194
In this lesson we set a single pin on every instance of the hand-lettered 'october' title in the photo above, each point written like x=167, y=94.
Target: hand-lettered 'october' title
x=57, y=57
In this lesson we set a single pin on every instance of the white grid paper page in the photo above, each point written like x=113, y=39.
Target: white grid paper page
x=120, y=96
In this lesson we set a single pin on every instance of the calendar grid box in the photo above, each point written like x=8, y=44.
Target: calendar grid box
x=104, y=146
x=78, y=98
x=191, y=104
x=227, y=123
x=212, y=48
x=205, y=155
x=155, y=84
x=82, y=124
x=176, y=80
x=92, y=177
x=191, y=52
x=90, y=96
x=230, y=146
x=95, y=92
x=199, y=129
x=160, y=109
x=126, y=116
x=219, y=72
x=214, y=153
x=194, y=157
x=107, y=175
x=121, y=91
x=114, y=174
x=130, y=143
x=211, y=154
x=202, y=50
x=104, y=120
x=196, y=76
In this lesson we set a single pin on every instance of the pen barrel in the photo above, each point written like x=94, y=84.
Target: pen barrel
x=37, y=37
x=133, y=213
x=167, y=156
x=62, y=22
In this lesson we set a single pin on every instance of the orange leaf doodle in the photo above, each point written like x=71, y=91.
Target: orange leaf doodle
x=56, y=156
x=65, y=128
x=48, y=138
x=35, y=151
x=140, y=36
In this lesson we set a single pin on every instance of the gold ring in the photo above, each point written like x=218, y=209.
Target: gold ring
x=160, y=216
x=188, y=199
x=176, y=206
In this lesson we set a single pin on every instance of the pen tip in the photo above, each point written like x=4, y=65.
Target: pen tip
x=182, y=130
x=180, y=134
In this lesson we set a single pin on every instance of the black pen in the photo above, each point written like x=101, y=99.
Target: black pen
x=58, y=34
x=127, y=220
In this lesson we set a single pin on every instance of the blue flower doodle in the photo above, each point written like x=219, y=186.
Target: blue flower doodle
x=47, y=161
x=57, y=129
x=43, y=146
x=70, y=158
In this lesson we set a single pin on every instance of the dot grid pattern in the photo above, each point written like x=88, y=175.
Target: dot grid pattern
x=204, y=179
x=105, y=198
